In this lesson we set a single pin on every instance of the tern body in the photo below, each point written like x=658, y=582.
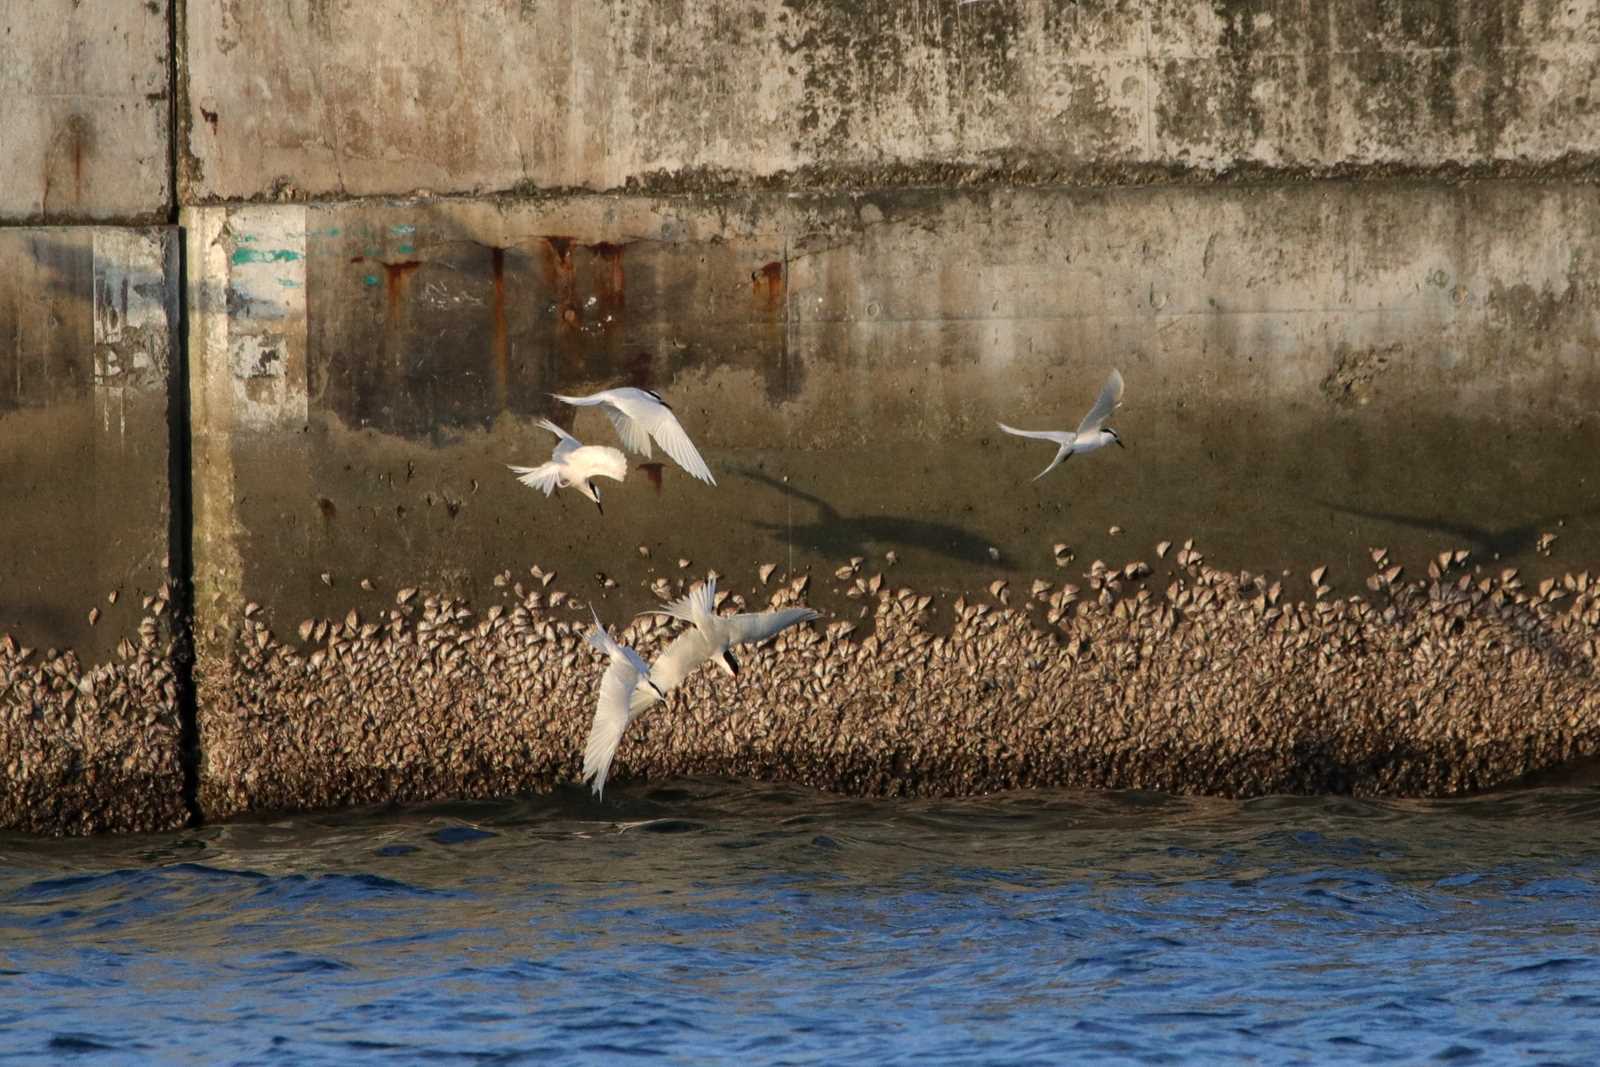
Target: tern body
x=573, y=465
x=711, y=637
x=629, y=687
x=1092, y=433
x=640, y=415
x=612, y=712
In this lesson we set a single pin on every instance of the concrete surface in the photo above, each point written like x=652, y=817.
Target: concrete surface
x=88, y=686
x=1314, y=371
x=84, y=111
x=325, y=98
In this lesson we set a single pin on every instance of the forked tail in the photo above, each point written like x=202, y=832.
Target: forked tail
x=702, y=598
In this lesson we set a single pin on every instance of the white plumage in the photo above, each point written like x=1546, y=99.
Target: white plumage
x=1092, y=433
x=640, y=415
x=629, y=687
x=612, y=712
x=710, y=637
x=573, y=464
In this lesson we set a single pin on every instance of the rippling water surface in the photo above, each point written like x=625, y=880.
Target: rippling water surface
x=712, y=921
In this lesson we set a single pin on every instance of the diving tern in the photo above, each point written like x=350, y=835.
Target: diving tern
x=573, y=465
x=611, y=713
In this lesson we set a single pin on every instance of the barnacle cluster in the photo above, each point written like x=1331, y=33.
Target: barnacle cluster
x=1177, y=676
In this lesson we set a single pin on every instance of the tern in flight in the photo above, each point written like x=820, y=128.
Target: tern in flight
x=611, y=715
x=1092, y=432
x=639, y=415
x=573, y=465
x=710, y=636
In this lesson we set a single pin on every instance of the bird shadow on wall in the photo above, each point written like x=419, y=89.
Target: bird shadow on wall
x=835, y=536
x=1536, y=632
x=1497, y=542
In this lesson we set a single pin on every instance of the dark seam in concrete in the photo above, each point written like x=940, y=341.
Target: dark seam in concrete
x=987, y=174
x=180, y=534
x=173, y=118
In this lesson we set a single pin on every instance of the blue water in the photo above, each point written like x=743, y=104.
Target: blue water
x=707, y=921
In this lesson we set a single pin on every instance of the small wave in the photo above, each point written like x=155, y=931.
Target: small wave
x=1557, y=964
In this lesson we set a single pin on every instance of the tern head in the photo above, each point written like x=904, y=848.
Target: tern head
x=1115, y=437
x=728, y=662
x=662, y=693
x=659, y=399
x=592, y=491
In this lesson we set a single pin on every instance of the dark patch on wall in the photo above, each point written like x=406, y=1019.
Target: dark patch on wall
x=500, y=344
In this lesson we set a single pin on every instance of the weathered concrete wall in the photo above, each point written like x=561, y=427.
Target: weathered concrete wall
x=926, y=217
x=89, y=719
x=334, y=98
x=1313, y=371
x=84, y=111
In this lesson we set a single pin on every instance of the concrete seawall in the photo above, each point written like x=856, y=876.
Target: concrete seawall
x=843, y=252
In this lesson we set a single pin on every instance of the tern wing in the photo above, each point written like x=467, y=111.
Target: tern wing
x=1060, y=437
x=565, y=442
x=761, y=625
x=546, y=476
x=634, y=436
x=1108, y=400
x=583, y=401
x=611, y=718
x=682, y=658
x=658, y=420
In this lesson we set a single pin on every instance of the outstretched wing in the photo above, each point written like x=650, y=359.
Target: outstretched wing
x=565, y=442
x=659, y=422
x=1104, y=404
x=634, y=437
x=582, y=401
x=546, y=476
x=1060, y=437
x=761, y=625
x=682, y=658
x=611, y=718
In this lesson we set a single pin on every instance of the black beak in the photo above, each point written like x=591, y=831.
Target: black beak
x=1118, y=440
x=656, y=687
x=733, y=662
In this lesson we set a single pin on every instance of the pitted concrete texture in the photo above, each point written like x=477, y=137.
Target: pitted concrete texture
x=327, y=99
x=84, y=111
x=89, y=723
x=1165, y=675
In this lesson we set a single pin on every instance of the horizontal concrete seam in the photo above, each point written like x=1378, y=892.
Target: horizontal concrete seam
x=1589, y=174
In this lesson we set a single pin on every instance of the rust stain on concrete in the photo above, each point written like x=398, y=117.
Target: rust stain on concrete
x=395, y=276
x=768, y=281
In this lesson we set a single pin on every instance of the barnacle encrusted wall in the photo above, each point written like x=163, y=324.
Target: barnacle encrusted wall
x=1182, y=678
x=90, y=725
x=1311, y=373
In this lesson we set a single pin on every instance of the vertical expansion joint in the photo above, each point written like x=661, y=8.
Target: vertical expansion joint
x=180, y=512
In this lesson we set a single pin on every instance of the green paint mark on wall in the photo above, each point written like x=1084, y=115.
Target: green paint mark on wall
x=371, y=279
x=251, y=255
x=406, y=250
